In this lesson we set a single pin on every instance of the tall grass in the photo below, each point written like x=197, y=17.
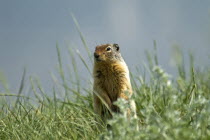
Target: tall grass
x=167, y=107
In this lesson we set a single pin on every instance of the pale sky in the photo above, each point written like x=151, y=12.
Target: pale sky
x=29, y=30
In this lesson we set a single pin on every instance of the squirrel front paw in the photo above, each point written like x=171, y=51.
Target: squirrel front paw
x=115, y=108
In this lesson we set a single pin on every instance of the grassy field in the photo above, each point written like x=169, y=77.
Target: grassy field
x=167, y=107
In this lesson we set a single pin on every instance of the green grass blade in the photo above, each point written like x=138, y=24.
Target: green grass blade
x=82, y=37
x=21, y=86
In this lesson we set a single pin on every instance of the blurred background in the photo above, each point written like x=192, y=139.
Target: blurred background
x=30, y=29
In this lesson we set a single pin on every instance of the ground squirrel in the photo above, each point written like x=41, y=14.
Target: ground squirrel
x=111, y=79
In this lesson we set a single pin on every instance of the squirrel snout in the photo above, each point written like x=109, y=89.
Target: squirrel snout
x=96, y=55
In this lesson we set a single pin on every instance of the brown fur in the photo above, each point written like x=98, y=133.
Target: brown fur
x=111, y=78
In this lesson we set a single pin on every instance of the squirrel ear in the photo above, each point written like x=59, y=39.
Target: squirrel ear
x=117, y=47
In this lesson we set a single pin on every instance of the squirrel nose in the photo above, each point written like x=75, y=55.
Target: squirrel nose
x=96, y=55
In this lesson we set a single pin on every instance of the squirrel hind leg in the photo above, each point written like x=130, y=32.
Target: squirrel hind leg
x=105, y=113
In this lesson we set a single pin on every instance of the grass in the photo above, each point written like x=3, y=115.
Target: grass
x=167, y=107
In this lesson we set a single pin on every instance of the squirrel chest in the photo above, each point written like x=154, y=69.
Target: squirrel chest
x=113, y=78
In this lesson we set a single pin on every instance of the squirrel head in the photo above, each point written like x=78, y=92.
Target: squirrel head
x=107, y=53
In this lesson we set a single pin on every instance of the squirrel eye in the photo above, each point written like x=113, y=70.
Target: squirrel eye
x=108, y=49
